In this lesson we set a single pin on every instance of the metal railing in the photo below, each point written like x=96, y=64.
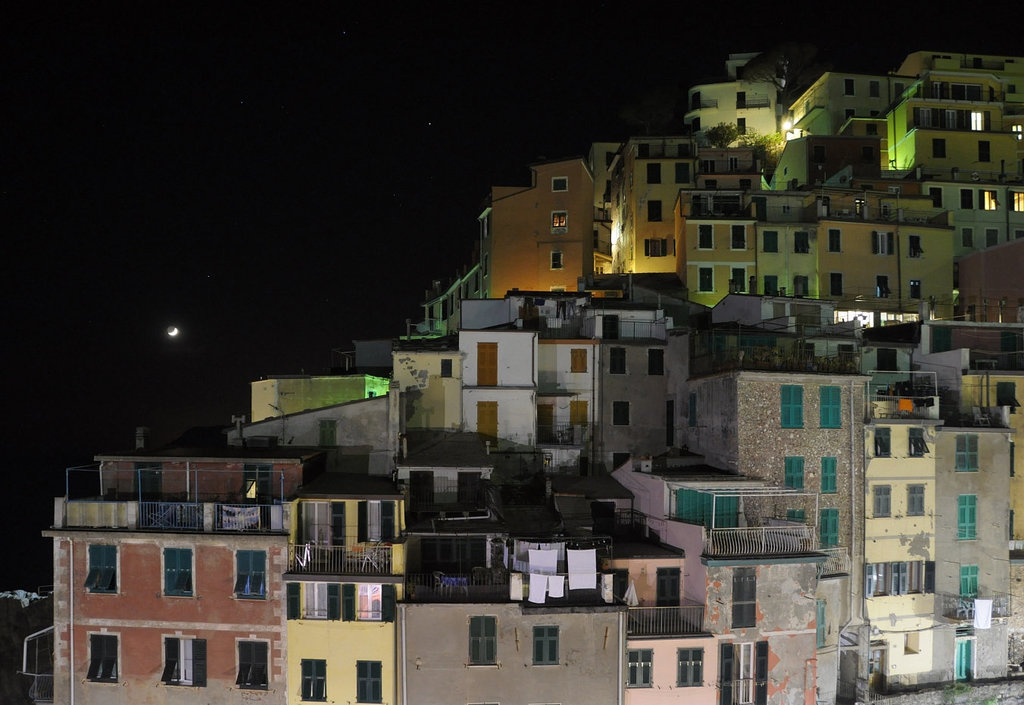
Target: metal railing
x=312, y=559
x=563, y=434
x=665, y=621
x=904, y=407
x=628, y=330
x=41, y=690
x=479, y=585
x=242, y=517
x=962, y=608
x=445, y=494
x=186, y=516
x=754, y=103
x=837, y=562
x=759, y=540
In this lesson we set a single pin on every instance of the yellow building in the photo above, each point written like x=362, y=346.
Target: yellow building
x=345, y=570
x=290, y=394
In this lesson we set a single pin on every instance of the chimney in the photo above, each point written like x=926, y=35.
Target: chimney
x=141, y=437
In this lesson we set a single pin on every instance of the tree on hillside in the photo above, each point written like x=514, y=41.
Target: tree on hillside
x=767, y=148
x=790, y=67
x=722, y=135
x=654, y=112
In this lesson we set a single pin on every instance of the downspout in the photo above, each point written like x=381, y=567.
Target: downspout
x=621, y=641
x=71, y=620
x=405, y=681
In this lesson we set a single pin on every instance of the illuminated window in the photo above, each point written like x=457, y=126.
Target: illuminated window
x=559, y=183
x=1018, y=201
x=977, y=120
x=987, y=200
x=559, y=219
x=1018, y=131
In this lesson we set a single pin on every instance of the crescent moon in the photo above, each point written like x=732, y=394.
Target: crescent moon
x=172, y=331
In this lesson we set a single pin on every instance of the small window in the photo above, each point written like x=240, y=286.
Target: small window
x=690, y=668
x=705, y=280
x=744, y=597
x=446, y=367
x=654, y=211
x=967, y=452
x=252, y=665
x=184, y=662
x=915, y=500
x=882, y=443
x=654, y=173
x=656, y=361
x=559, y=221
x=828, y=475
x=102, y=575
x=556, y=260
x=705, y=237
x=178, y=571
x=835, y=240
x=251, y=574
x=545, y=646
x=639, y=669
x=882, y=495
x=739, y=237
x=792, y=406
x=483, y=640
x=559, y=183
x=801, y=242
x=770, y=241
x=369, y=685
x=617, y=361
x=102, y=658
x=794, y=472
x=314, y=679
x=918, y=447
x=620, y=413
x=578, y=360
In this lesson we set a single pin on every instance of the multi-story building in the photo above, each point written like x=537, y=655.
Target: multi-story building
x=750, y=105
x=600, y=161
x=829, y=105
x=429, y=373
x=291, y=394
x=167, y=576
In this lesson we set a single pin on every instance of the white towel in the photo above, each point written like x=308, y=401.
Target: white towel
x=556, y=586
x=544, y=562
x=982, y=614
x=582, y=569
x=538, y=588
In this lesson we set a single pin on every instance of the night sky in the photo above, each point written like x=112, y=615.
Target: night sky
x=277, y=183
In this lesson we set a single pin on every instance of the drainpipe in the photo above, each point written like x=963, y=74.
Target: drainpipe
x=622, y=617
x=405, y=680
x=71, y=619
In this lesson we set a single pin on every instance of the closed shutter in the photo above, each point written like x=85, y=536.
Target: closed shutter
x=487, y=364
x=363, y=533
x=337, y=523
x=333, y=601
x=761, y=673
x=725, y=669
x=199, y=662
x=294, y=600
x=929, y=576
x=387, y=521
x=387, y=602
x=348, y=602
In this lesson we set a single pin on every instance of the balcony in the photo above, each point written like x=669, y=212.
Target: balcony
x=312, y=559
x=725, y=351
x=902, y=394
x=563, y=434
x=678, y=620
x=958, y=608
x=837, y=562
x=759, y=541
x=753, y=102
x=180, y=516
x=446, y=495
x=480, y=585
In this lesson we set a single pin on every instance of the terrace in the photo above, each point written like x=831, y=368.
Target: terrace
x=726, y=350
x=963, y=608
x=361, y=559
x=677, y=620
x=903, y=395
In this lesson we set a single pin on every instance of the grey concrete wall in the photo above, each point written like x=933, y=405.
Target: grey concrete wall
x=646, y=394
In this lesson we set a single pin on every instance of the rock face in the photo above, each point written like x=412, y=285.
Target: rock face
x=21, y=613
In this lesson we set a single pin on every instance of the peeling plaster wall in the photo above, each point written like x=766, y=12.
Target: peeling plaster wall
x=430, y=400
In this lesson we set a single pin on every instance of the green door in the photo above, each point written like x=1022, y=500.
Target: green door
x=964, y=659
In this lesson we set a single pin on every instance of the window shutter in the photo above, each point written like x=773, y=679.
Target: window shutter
x=761, y=673
x=870, y=579
x=725, y=669
x=337, y=523
x=929, y=576
x=294, y=601
x=348, y=602
x=874, y=242
x=199, y=662
x=333, y=601
x=647, y=248
x=307, y=679
x=387, y=521
x=387, y=602
x=362, y=522
x=170, y=660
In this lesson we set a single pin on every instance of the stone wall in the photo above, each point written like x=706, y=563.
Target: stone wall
x=1006, y=692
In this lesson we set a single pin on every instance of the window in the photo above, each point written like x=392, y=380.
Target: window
x=967, y=237
x=915, y=246
x=835, y=239
x=820, y=623
x=828, y=528
x=915, y=500
x=654, y=173
x=545, y=646
x=770, y=240
x=795, y=472
x=184, y=662
x=252, y=665
x=917, y=445
x=871, y=128
x=1018, y=201
x=968, y=581
x=882, y=442
x=800, y=285
x=835, y=283
x=617, y=361
x=792, y=406
x=876, y=579
x=739, y=237
x=368, y=682
x=984, y=151
x=314, y=679
x=640, y=662
x=177, y=571
x=318, y=599
x=446, y=367
x=578, y=360
x=376, y=518
x=556, y=260
x=801, y=242
x=830, y=406
x=882, y=243
x=738, y=280
x=882, y=289
x=966, y=198
x=967, y=452
x=873, y=89
x=991, y=237
x=915, y=288
x=938, y=148
x=682, y=172
x=559, y=183
x=328, y=432
x=250, y=574
x=656, y=247
x=559, y=221
x=771, y=285
x=705, y=237
x=818, y=154
x=966, y=517
x=882, y=500
x=102, y=658
x=798, y=515
x=689, y=668
x=483, y=640
x=656, y=361
x=487, y=364
x=705, y=279
x=620, y=413
x=936, y=193
x=693, y=410
x=987, y=200
x=654, y=211
x=1006, y=393
x=828, y=475
x=102, y=575
x=744, y=597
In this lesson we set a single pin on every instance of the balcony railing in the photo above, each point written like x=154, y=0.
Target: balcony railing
x=41, y=690
x=311, y=559
x=665, y=621
x=185, y=516
x=480, y=585
x=759, y=541
x=958, y=608
x=837, y=562
x=245, y=517
x=445, y=495
x=753, y=103
x=904, y=407
x=563, y=434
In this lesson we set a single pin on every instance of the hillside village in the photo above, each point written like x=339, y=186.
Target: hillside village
x=724, y=417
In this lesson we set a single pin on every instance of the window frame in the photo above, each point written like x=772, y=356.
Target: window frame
x=559, y=221
x=742, y=239
x=250, y=584
x=794, y=472
x=559, y=184
x=314, y=674
x=705, y=236
x=881, y=501
x=830, y=411
x=915, y=500
x=792, y=405
x=744, y=597
x=102, y=570
x=656, y=361
x=179, y=574
x=966, y=456
x=883, y=442
x=701, y=287
x=620, y=411
x=253, y=662
x=689, y=667
x=829, y=466
x=639, y=668
x=916, y=445
x=483, y=640
x=828, y=527
x=104, y=657
x=616, y=360
x=967, y=517
x=578, y=360
x=557, y=260
x=175, y=655
x=369, y=682
x=545, y=645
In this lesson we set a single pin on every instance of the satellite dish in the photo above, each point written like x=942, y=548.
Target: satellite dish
x=975, y=176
